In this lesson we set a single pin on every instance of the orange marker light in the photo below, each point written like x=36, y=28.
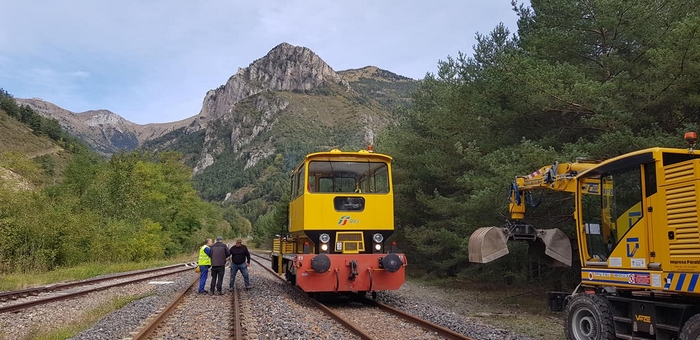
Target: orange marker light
x=370, y=148
x=690, y=137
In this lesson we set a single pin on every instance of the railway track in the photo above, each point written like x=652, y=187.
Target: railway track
x=17, y=294
x=151, y=327
x=362, y=332
x=156, y=321
x=149, y=275
x=237, y=325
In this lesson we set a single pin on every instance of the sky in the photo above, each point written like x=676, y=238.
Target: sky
x=152, y=61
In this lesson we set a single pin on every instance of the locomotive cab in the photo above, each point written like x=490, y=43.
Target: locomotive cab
x=340, y=216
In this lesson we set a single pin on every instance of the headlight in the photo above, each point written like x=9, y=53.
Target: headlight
x=325, y=238
x=378, y=238
x=378, y=247
x=324, y=247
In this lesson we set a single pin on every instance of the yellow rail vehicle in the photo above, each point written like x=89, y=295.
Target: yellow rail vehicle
x=637, y=218
x=340, y=214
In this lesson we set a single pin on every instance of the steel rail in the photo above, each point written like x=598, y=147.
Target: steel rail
x=14, y=294
x=237, y=329
x=153, y=324
x=347, y=324
x=20, y=306
x=444, y=332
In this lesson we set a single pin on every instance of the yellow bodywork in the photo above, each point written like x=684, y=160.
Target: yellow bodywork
x=636, y=215
x=657, y=245
x=312, y=208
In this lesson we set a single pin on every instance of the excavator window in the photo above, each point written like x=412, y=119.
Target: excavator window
x=624, y=202
x=592, y=218
x=609, y=213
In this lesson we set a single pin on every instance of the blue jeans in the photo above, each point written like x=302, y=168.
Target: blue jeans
x=203, y=270
x=244, y=270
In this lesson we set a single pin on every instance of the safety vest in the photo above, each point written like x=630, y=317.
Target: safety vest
x=204, y=259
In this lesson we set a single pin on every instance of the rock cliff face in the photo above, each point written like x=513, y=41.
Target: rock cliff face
x=284, y=68
x=288, y=68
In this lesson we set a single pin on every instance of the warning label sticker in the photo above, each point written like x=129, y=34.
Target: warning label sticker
x=640, y=279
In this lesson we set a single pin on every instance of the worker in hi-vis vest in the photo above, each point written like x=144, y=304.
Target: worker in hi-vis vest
x=204, y=262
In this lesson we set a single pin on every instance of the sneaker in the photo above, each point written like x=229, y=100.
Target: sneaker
x=247, y=287
x=203, y=292
x=221, y=293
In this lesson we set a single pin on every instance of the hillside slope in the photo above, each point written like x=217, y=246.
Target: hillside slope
x=27, y=160
x=18, y=137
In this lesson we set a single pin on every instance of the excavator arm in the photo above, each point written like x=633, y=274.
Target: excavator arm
x=490, y=243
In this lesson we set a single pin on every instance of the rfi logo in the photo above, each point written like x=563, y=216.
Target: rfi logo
x=345, y=219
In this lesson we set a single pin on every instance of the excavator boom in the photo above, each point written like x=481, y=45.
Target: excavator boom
x=490, y=243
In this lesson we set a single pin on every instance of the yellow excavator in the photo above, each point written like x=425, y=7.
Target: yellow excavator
x=638, y=237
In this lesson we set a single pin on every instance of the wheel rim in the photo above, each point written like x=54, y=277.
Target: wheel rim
x=584, y=325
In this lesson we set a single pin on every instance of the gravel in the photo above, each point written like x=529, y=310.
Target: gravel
x=199, y=316
x=127, y=319
x=273, y=309
x=380, y=324
x=25, y=323
x=412, y=298
x=420, y=301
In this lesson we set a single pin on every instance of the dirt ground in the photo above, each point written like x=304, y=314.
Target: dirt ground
x=522, y=310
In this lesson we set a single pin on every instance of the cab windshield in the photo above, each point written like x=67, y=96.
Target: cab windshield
x=348, y=177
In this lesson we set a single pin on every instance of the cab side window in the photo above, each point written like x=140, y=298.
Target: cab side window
x=610, y=211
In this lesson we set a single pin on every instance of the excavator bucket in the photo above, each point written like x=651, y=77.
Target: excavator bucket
x=488, y=244
x=555, y=245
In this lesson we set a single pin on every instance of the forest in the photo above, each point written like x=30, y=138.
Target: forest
x=82, y=208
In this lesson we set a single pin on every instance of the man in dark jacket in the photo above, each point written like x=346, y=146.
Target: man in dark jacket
x=219, y=253
x=240, y=260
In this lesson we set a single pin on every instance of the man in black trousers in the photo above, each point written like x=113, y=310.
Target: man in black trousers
x=219, y=253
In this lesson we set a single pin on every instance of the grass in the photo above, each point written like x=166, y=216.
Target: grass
x=15, y=136
x=15, y=281
x=521, y=309
x=86, y=320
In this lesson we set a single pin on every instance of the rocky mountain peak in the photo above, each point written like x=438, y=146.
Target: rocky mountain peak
x=287, y=67
x=284, y=68
x=103, y=117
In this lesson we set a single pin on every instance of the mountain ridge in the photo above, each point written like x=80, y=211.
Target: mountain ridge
x=105, y=131
x=257, y=125
x=284, y=68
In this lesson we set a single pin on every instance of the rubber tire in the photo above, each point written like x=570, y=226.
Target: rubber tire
x=601, y=313
x=691, y=328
